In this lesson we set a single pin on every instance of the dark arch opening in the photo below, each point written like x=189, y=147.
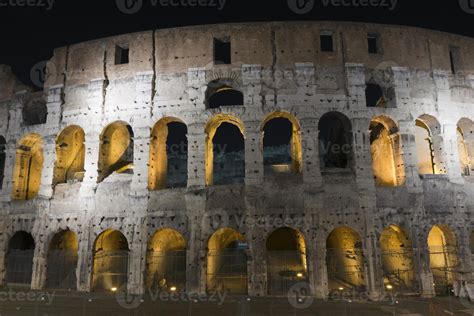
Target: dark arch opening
x=334, y=141
x=62, y=261
x=374, y=95
x=177, y=155
x=222, y=92
x=229, y=155
x=277, y=144
x=35, y=112
x=19, y=265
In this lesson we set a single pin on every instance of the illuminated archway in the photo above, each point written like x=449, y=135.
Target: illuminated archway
x=168, y=163
x=397, y=259
x=19, y=259
x=166, y=261
x=227, y=262
x=345, y=259
x=387, y=160
x=443, y=257
x=225, y=155
x=465, y=139
x=286, y=260
x=70, y=155
x=62, y=261
x=428, y=145
x=335, y=139
x=282, y=151
x=28, y=167
x=110, y=263
x=116, y=150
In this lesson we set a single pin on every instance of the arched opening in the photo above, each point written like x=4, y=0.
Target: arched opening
x=428, y=145
x=166, y=261
x=35, y=112
x=70, y=155
x=110, y=266
x=335, y=139
x=168, y=166
x=443, y=258
x=286, y=260
x=281, y=144
x=397, y=259
x=19, y=259
x=374, y=96
x=62, y=261
x=28, y=167
x=227, y=262
x=116, y=150
x=223, y=92
x=465, y=136
x=345, y=260
x=387, y=160
x=225, y=155
x=471, y=242
x=3, y=157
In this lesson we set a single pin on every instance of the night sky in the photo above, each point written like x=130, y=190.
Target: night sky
x=29, y=34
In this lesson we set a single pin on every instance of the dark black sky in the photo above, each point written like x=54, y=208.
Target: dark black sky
x=29, y=34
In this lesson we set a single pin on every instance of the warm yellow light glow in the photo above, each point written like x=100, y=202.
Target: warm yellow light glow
x=299, y=275
x=341, y=289
x=389, y=287
x=114, y=289
x=173, y=289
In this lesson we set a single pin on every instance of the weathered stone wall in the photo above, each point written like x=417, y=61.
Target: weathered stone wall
x=277, y=67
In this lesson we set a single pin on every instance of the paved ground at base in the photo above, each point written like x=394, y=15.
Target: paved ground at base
x=87, y=304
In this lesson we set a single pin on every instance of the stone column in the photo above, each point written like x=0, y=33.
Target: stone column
x=252, y=81
x=408, y=151
x=196, y=155
x=320, y=274
x=254, y=174
x=136, y=266
x=401, y=85
x=3, y=253
x=355, y=84
x=196, y=210
x=311, y=165
x=38, y=278
x=10, y=155
x=257, y=273
x=421, y=260
x=92, y=136
x=84, y=260
x=47, y=173
x=464, y=259
x=450, y=145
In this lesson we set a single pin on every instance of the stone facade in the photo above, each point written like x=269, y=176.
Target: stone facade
x=279, y=68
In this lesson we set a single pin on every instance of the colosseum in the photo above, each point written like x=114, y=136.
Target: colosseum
x=244, y=158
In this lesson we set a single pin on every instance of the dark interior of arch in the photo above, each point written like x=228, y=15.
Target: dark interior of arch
x=277, y=142
x=177, y=154
x=376, y=129
x=224, y=96
x=283, y=239
x=21, y=241
x=374, y=95
x=229, y=163
x=333, y=141
x=35, y=113
x=3, y=157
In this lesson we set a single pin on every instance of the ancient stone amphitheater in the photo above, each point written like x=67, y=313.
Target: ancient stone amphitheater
x=245, y=158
